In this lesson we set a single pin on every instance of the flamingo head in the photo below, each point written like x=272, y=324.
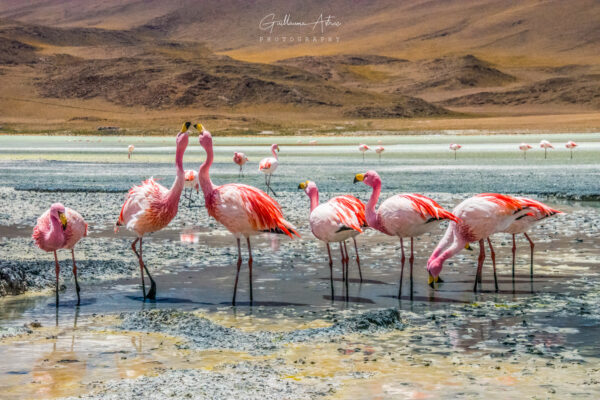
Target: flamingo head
x=275, y=147
x=183, y=136
x=434, y=267
x=57, y=212
x=205, y=138
x=370, y=178
x=309, y=187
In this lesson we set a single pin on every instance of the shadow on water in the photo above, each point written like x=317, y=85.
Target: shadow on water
x=73, y=303
x=167, y=300
x=358, y=281
x=349, y=299
x=429, y=299
x=263, y=304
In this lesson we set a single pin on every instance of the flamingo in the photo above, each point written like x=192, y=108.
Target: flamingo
x=244, y=210
x=190, y=183
x=544, y=144
x=60, y=228
x=150, y=207
x=403, y=215
x=571, y=145
x=363, y=148
x=478, y=218
x=130, y=149
x=538, y=211
x=268, y=165
x=524, y=147
x=455, y=147
x=379, y=150
x=337, y=220
x=240, y=159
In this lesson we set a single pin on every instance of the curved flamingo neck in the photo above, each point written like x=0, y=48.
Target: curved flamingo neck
x=177, y=187
x=55, y=236
x=370, y=212
x=273, y=147
x=313, y=195
x=203, y=174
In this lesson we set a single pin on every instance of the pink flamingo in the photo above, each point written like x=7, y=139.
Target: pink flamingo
x=379, y=150
x=268, y=166
x=455, y=147
x=524, y=147
x=544, y=144
x=537, y=212
x=244, y=210
x=478, y=218
x=363, y=148
x=402, y=215
x=150, y=207
x=60, y=228
x=240, y=159
x=190, y=183
x=571, y=145
x=337, y=220
x=130, y=149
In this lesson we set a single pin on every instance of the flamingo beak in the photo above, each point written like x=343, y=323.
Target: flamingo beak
x=359, y=178
x=185, y=127
x=302, y=185
x=431, y=280
x=63, y=220
x=468, y=247
x=199, y=127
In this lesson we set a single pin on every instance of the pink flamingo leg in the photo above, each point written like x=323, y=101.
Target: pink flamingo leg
x=237, y=275
x=514, y=252
x=357, y=260
x=493, y=254
x=531, y=246
x=77, y=289
x=330, y=269
x=479, y=264
x=57, y=272
x=250, y=268
x=152, y=293
x=412, y=261
x=402, y=259
x=141, y=267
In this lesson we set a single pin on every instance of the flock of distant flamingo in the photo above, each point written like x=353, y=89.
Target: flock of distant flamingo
x=246, y=211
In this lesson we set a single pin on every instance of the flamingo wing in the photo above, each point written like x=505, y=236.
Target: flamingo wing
x=139, y=201
x=76, y=228
x=350, y=211
x=543, y=209
x=428, y=208
x=508, y=202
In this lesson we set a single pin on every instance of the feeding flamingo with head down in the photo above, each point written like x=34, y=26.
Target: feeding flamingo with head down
x=363, y=148
x=455, y=147
x=150, y=207
x=130, y=149
x=478, y=218
x=60, y=228
x=544, y=144
x=403, y=215
x=244, y=210
x=571, y=145
x=337, y=220
x=538, y=211
x=379, y=150
x=240, y=159
x=268, y=166
x=524, y=147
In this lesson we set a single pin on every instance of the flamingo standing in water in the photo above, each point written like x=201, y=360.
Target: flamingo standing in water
x=268, y=166
x=571, y=145
x=524, y=147
x=379, y=150
x=240, y=159
x=544, y=144
x=150, y=207
x=537, y=212
x=244, y=210
x=402, y=215
x=130, y=149
x=478, y=218
x=60, y=228
x=455, y=147
x=363, y=148
x=190, y=183
x=337, y=220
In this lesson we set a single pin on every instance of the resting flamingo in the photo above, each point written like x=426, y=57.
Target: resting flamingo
x=379, y=150
x=403, y=215
x=537, y=212
x=240, y=159
x=190, y=183
x=455, y=147
x=339, y=219
x=60, y=228
x=268, y=166
x=130, y=149
x=150, y=207
x=571, y=145
x=478, y=218
x=363, y=148
x=244, y=210
x=544, y=144
x=524, y=147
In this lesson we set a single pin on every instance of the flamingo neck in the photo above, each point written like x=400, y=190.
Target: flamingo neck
x=313, y=195
x=55, y=236
x=203, y=174
x=274, y=152
x=177, y=187
x=370, y=212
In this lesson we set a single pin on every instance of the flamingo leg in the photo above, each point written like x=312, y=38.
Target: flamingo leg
x=357, y=259
x=402, y=259
x=270, y=187
x=152, y=292
x=347, y=263
x=77, y=289
x=479, y=264
x=514, y=252
x=141, y=267
x=531, y=246
x=237, y=275
x=250, y=268
x=412, y=261
x=330, y=269
x=343, y=268
x=493, y=255
x=57, y=272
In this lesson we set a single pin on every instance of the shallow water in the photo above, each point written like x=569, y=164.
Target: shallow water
x=193, y=263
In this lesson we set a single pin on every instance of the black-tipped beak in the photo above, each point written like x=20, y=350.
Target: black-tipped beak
x=355, y=180
x=300, y=187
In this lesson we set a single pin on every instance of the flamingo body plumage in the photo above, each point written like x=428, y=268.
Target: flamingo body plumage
x=268, y=166
x=240, y=159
